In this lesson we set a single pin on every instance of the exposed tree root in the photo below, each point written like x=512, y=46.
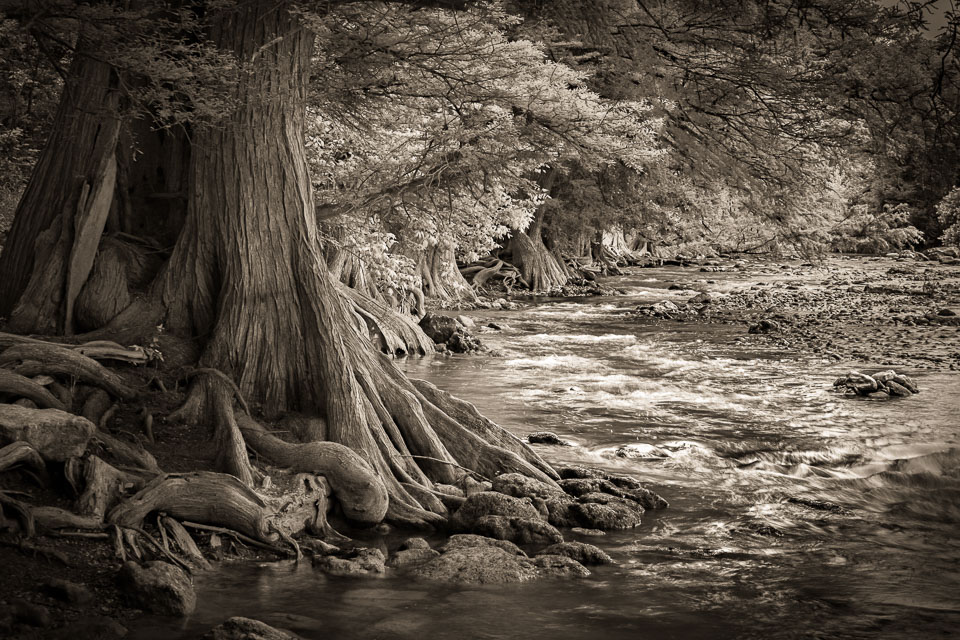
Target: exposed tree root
x=203, y=496
x=360, y=492
x=127, y=453
x=47, y=358
x=21, y=453
x=19, y=386
x=394, y=333
x=103, y=486
x=536, y=263
x=183, y=540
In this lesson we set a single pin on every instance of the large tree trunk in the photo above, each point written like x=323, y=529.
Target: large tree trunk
x=74, y=177
x=537, y=264
x=247, y=279
x=442, y=280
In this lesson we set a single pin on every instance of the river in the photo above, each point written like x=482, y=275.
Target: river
x=794, y=512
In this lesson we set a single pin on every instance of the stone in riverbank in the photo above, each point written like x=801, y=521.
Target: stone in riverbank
x=239, y=628
x=361, y=562
x=517, y=530
x=490, y=503
x=580, y=551
x=547, y=437
x=471, y=560
x=158, y=587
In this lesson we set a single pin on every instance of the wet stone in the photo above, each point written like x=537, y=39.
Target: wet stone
x=518, y=530
x=472, y=541
x=518, y=485
x=491, y=503
x=361, y=562
x=239, y=628
x=478, y=565
x=594, y=515
x=411, y=557
x=580, y=551
x=414, y=543
x=557, y=566
x=546, y=437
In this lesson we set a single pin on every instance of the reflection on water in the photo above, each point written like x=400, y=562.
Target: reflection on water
x=795, y=512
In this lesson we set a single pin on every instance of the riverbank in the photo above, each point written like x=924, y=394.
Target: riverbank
x=881, y=311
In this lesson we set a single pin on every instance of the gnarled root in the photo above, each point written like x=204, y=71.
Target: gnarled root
x=395, y=333
x=20, y=386
x=33, y=359
x=203, y=496
x=361, y=493
x=21, y=453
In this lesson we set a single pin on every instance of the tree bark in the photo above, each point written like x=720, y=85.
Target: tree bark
x=81, y=146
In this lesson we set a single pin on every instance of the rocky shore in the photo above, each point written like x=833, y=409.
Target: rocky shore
x=887, y=311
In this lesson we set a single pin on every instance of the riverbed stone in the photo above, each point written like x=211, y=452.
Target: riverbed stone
x=359, y=562
x=547, y=437
x=477, y=565
x=518, y=530
x=471, y=541
x=411, y=557
x=558, y=566
x=580, y=551
x=438, y=327
x=158, y=587
x=239, y=628
x=413, y=543
x=559, y=512
x=518, y=485
x=490, y=503
x=609, y=515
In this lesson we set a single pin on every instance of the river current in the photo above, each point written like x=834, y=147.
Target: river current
x=794, y=512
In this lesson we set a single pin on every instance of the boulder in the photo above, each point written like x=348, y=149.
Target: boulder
x=556, y=566
x=472, y=541
x=158, y=587
x=414, y=543
x=439, y=328
x=518, y=530
x=701, y=298
x=546, y=437
x=56, y=435
x=478, y=565
x=607, y=515
x=238, y=628
x=362, y=562
x=559, y=512
x=518, y=485
x=580, y=551
x=411, y=557
x=490, y=503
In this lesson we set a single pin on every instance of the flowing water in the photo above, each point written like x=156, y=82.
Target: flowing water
x=794, y=512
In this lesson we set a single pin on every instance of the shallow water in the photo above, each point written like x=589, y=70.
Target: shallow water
x=794, y=512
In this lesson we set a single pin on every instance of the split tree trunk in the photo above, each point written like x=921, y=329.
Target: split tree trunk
x=72, y=169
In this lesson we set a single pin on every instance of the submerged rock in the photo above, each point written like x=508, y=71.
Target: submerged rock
x=411, y=557
x=597, y=515
x=158, y=587
x=239, y=628
x=546, y=437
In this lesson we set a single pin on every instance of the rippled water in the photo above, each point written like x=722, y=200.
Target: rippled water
x=795, y=512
